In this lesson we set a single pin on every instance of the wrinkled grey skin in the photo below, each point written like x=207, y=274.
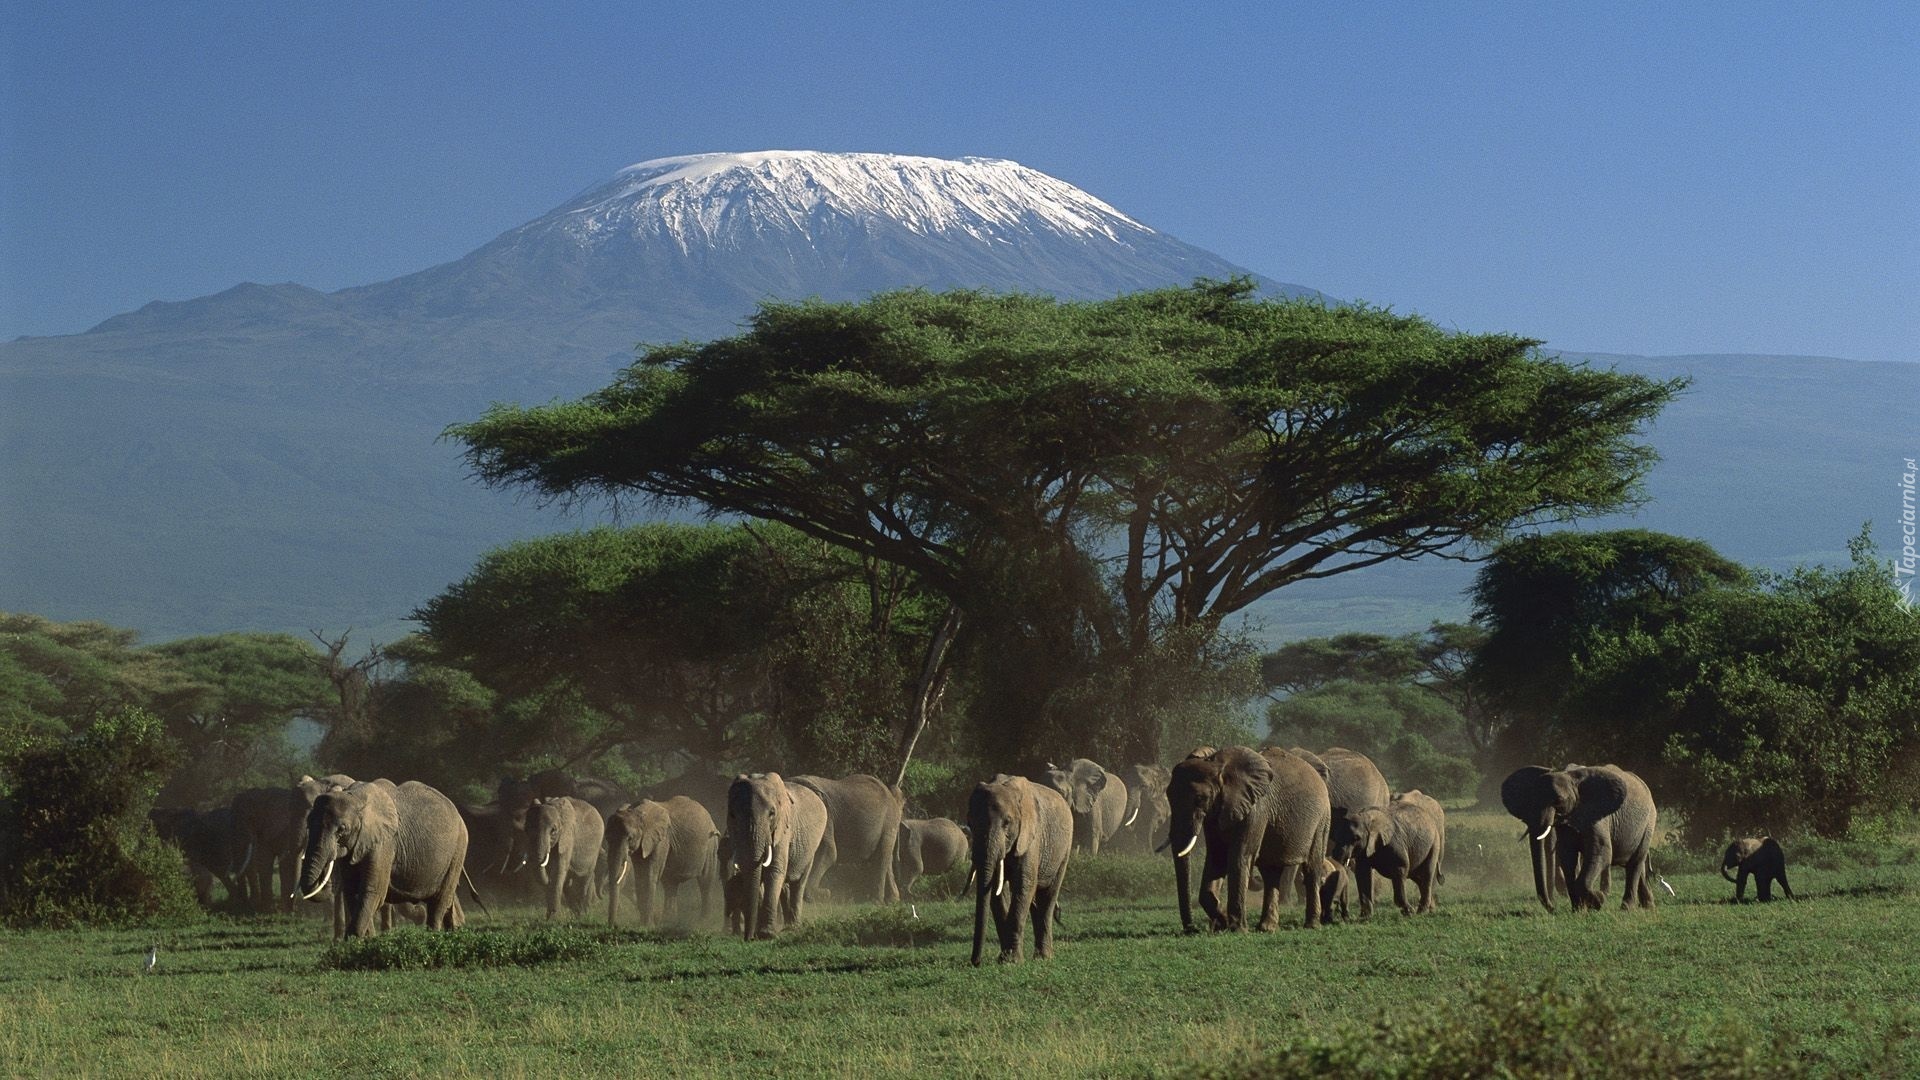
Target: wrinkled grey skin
x=863, y=825
x=1097, y=798
x=214, y=846
x=662, y=846
x=776, y=831
x=1021, y=836
x=1334, y=886
x=562, y=838
x=1256, y=809
x=378, y=843
x=1353, y=783
x=1401, y=841
x=929, y=846
x=310, y=789
x=1761, y=858
x=1589, y=818
x=1147, y=811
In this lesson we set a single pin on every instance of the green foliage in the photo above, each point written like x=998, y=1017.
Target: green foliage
x=1398, y=725
x=55, y=677
x=1079, y=477
x=83, y=851
x=227, y=701
x=411, y=948
x=1509, y=1029
x=1300, y=666
x=1789, y=705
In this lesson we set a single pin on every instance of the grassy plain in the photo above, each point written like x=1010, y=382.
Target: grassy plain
x=880, y=992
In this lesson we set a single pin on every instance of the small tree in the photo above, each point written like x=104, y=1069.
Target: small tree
x=85, y=852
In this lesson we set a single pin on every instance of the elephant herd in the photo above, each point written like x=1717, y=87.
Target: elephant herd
x=1313, y=826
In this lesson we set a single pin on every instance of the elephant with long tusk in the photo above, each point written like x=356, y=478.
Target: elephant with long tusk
x=1587, y=820
x=567, y=833
x=1018, y=831
x=377, y=843
x=780, y=834
x=1257, y=809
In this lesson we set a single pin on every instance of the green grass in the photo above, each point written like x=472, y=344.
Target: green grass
x=864, y=991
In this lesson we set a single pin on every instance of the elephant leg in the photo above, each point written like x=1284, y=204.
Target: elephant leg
x=1784, y=887
x=1363, y=880
x=1045, y=904
x=1210, y=902
x=1272, y=886
x=1764, y=882
x=1019, y=908
x=1002, y=919
x=1399, y=880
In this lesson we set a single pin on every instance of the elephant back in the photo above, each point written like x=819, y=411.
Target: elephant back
x=431, y=840
x=1298, y=814
x=1353, y=781
x=691, y=835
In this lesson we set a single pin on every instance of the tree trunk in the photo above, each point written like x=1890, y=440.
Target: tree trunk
x=926, y=693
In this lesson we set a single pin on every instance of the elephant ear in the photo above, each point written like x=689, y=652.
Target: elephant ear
x=1527, y=791
x=378, y=826
x=1374, y=828
x=1245, y=780
x=1602, y=791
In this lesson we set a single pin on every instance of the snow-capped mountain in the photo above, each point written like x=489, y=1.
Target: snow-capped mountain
x=266, y=456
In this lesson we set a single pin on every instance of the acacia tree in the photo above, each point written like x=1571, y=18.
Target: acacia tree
x=1166, y=458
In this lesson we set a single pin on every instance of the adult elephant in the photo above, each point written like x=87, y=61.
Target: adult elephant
x=665, y=845
x=1354, y=782
x=776, y=831
x=1097, y=798
x=1022, y=836
x=863, y=823
x=565, y=833
x=1257, y=809
x=379, y=843
x=927, y=846
x=1401, y=841
x=1147, y=809
x=272, y=820
x=1590, y=818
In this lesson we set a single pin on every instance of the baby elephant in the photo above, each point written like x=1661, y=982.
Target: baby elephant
x=1761, y=858
x=1334, y=888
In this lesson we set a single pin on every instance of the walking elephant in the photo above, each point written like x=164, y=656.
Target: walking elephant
x=381, y=843
x=775, y=831
x=1589, y=818
x=665, y=844
x=1097, y=798
x=863, y=825
x=1761, y=858
x=1021, y=835
x=1147, y=809
x=927, y=846
x=565, y=833
x=1401, y=841
x=1335, y=884
x=1265, y=809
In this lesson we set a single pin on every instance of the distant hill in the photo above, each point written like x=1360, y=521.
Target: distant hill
x=267, y=458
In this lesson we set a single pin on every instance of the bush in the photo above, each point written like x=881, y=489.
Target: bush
x=1508, y=1030
x=411, y=948
x=84, y=851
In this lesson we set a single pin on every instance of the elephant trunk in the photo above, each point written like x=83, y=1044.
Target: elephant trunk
x=755, y=870
x=1542, y=850
x=613, y=893
x=1724, y=868
x=316, y=863
x=990, y=874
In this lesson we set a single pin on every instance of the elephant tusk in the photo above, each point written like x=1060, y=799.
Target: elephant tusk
x=324, y=878
x=623, y=872
x=246, y=861
x=1544, y=832
x=1002, y=887
x=546, y=858
x=1182, y=853
x=769, y=859
x=1130, y=817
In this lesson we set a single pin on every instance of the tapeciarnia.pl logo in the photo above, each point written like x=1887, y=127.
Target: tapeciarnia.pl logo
x=1909, y=560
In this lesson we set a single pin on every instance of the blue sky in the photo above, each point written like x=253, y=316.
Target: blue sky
x=1658, y=178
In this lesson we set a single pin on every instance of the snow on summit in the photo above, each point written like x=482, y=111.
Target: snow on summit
x=723, y=200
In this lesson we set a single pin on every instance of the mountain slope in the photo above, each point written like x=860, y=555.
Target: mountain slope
x=267, y=456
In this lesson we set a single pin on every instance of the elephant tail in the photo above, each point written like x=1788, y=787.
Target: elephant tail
x=475, y=892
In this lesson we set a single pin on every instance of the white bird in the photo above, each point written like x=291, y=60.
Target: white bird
x=915, y=908
x=1669, y=888
x=153, y=958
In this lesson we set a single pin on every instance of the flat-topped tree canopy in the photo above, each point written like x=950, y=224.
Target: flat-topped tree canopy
x=1193, y=449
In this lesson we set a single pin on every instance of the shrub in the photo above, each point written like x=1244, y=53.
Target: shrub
x=411, y=948
x=1508, y=1030
x=84, y=851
